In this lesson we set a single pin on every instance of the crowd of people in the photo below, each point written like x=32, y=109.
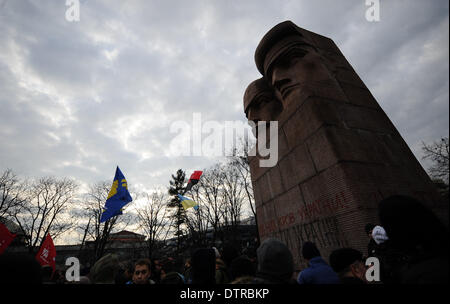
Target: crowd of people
x=410, y=242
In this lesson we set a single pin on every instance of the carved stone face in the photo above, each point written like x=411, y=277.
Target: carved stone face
x=296, y=69
x=263, y=105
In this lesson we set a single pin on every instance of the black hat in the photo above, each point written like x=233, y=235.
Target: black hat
x=369, y=227
x=343, y=258
x=309, y=250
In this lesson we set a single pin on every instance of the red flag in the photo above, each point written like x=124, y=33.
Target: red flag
x=47, y=253
x=6, y=237
x=193, y=180
x=195, y=176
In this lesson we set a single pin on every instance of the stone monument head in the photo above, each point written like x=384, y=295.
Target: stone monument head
x=290, y=62
x=261, y=102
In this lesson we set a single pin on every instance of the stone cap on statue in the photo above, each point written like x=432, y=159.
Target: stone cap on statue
x=275, y=42
x=254, y=89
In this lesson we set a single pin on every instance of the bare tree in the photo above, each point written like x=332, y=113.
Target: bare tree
x=233, y=198
x=240, y=160
x=152, y=218
x=47, y=200
x=198, y=219
x=437, y=152
x=209, y=188
x=99, y=233
x=12, y=193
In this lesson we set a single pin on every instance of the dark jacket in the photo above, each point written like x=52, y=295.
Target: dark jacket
x=434, y=270
x=372, y=249
x=221, y=273
x=352, y=281
x=392, y=262
x=318, y=272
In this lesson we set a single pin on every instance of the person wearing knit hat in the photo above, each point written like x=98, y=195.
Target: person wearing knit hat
x=379, y=235
x=275, y=263
x=349, y=265
x=105, y=269
x=216, y=251
x=318, y=271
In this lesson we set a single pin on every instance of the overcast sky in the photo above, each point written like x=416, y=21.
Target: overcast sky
x=79, y=98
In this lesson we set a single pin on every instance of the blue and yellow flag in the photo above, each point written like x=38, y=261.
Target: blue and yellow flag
x=187, y=202
x=118, y=197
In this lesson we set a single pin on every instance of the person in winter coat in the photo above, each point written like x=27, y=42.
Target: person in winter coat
x=221, y=272
x=204, y=266
x=348, y=263
x=372, y=246
x=415, y=231
x=275, y=263
x=318, y=272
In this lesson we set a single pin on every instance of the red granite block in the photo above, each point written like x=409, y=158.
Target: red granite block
x=343, y=75
x=327, y=89
x=256, y=194
x=310, y=117
x=359, y=96
x=365, y=118
x=267, y=221
x=335, y=61
x=330, y=145
x=351, y=227
x=265, y=189
x=326, y=194
x=287, y=205
x=283, y=148
x=296, y=167
x=274, y=180
x=255, y=169
x=377, y=151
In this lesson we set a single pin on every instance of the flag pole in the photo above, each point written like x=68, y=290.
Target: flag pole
x=84, y=238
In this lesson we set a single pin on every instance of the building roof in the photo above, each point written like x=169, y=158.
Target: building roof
x=126, y=236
